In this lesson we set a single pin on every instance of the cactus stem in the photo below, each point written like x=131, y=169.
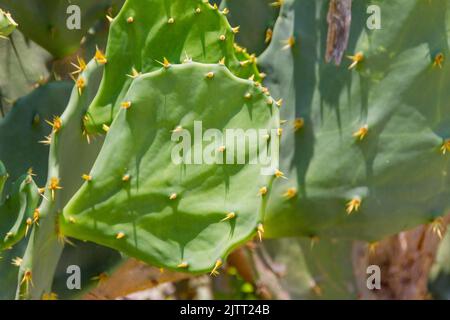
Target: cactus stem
x=217, y=265
x=290, y=193
x=353, y=205
x=229, y=216
x=183, y=265
x=99, y=56
x=356, y=59
x=362, y=132
x=260, y=231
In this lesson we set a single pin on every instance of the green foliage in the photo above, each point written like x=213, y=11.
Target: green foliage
x=146, y=32
x=145, y=205
x=396, y=172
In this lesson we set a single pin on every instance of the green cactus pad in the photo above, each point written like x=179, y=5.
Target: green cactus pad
x=16, y=82
x=254, y=17
x=47, y=22
x=140, y=202
x=16, y=209
x=72, y=153
x=314, y=270
x=24, y=126
x=397, y=170
x=147, y=31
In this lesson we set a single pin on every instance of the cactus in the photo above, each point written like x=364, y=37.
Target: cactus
x=365, y=150
x=24, y=126
x=23, y=66
x=17, y=211
x=255, y=18
x=314, y=270
x=46, y=21
x=72, y=152
x=147, y=33
x=181, y=217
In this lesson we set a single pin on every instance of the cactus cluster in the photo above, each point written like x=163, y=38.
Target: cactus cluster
x=360, y=150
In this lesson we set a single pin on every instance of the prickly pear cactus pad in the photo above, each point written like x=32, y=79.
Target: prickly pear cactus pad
x=24, y=126
x=255, y=18
x=72, y=153
x=366, y=144
x=139, y=199
x=56, y=25
x=147, y=32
